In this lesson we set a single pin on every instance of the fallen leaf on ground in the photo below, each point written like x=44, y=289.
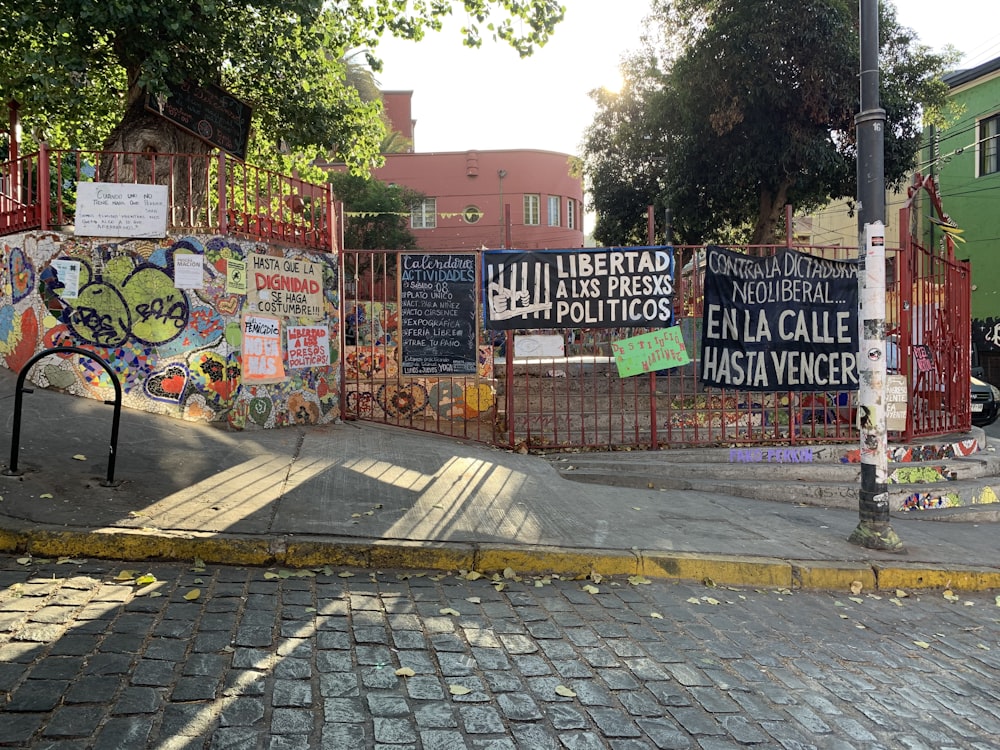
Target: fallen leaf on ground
x=80, y=457
x=856, y=587
x=922, y=644
x=405, y=672
x=591, y=589
x=449, y=611
x=192, y=594
x=458, y=690
x=950, y=595
x=145, y=580
x=638, y=580
x=46, y=496
x=656, y=615
x=564, y=691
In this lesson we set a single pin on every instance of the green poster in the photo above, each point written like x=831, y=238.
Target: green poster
x=658, y=350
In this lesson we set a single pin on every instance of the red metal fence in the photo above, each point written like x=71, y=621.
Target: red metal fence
x=207, y=192
x=577, y=399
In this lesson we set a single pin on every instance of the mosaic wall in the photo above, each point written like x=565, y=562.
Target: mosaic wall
x=175, y=351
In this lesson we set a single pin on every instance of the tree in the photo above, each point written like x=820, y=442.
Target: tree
x=377, y=213
x=81, y=70
x=734, y=108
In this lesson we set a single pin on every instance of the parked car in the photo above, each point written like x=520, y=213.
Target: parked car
x=985, y=402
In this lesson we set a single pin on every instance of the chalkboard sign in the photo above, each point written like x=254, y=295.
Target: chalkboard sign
x=437, y=314
x=208, y=112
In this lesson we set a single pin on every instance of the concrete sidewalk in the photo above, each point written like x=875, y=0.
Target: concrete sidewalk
x=364, y=495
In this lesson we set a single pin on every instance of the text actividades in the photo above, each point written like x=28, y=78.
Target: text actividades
x=779, y=370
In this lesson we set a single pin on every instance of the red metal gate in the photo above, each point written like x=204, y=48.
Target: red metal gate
x=572, y=397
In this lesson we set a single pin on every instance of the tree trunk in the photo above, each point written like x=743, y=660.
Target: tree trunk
x=149, y=149
x=768, y=214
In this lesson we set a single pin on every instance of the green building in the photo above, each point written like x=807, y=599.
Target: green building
x=964, y=158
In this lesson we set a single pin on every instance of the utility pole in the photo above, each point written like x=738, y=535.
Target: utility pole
x=873, y=531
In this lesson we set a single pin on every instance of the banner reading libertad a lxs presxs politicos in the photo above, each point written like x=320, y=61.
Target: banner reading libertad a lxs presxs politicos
x=595, y=288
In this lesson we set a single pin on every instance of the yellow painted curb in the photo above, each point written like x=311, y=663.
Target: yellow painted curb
x=833, y=576
x=541, y=560
x=308, y=554
x=921, y=577
x=730, y=571
x=415, y=556
x=127, y=545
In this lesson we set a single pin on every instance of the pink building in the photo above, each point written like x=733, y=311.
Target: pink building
x=470, y=192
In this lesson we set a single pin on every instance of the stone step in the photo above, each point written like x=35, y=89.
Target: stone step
x=841, y=493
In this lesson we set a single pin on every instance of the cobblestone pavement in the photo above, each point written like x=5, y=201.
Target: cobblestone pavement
x=110, y=655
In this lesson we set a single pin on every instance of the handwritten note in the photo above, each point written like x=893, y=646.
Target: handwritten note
x=262, y=349
x=659, y=350
x=308, y=346
x=106, y=209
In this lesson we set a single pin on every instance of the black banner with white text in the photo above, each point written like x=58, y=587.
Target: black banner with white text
x=592, y=288
x=788, y=322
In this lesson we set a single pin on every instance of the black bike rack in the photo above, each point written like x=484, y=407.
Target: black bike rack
x=21, y=390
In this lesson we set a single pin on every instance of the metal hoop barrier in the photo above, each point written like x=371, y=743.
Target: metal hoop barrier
x=20, y=390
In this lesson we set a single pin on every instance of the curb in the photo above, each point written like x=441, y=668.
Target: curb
x=294, y=552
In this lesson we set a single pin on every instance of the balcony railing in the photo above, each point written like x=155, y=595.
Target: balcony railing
x=209, y=193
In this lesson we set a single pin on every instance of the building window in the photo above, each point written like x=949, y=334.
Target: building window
x=423, y=215
x=571, y=213
x=532, y=209
x=989, y=145
x=554, y=210
x=472, y=214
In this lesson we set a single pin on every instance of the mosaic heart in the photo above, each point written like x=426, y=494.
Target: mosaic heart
x=168, y=384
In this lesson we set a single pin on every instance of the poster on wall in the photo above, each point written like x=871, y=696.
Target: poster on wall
x=593, y=288
x=261, y=348
x=111, y=209
x=437, y=314
x=189, y=271
x=650, y=352
x=788, y=322
x=286, y=287
x=307, y=346
x=68, y=274
x=236, y=276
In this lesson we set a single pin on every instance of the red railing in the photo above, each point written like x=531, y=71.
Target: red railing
x=207, y=192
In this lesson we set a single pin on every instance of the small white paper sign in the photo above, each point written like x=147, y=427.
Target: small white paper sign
x=68, y=272
x=109, y=209
x=188, y=271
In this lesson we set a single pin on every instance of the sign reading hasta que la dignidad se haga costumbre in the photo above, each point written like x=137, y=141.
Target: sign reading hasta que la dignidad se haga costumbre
x=788, y=322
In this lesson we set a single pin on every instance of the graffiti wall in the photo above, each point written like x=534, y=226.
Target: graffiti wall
x=171, y=317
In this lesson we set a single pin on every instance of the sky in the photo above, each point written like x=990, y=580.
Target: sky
x=489, y=98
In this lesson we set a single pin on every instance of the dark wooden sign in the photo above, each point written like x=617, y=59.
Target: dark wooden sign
x=207, y=112
x=437, y=314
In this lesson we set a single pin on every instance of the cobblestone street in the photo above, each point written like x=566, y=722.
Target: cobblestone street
x=182, y=656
